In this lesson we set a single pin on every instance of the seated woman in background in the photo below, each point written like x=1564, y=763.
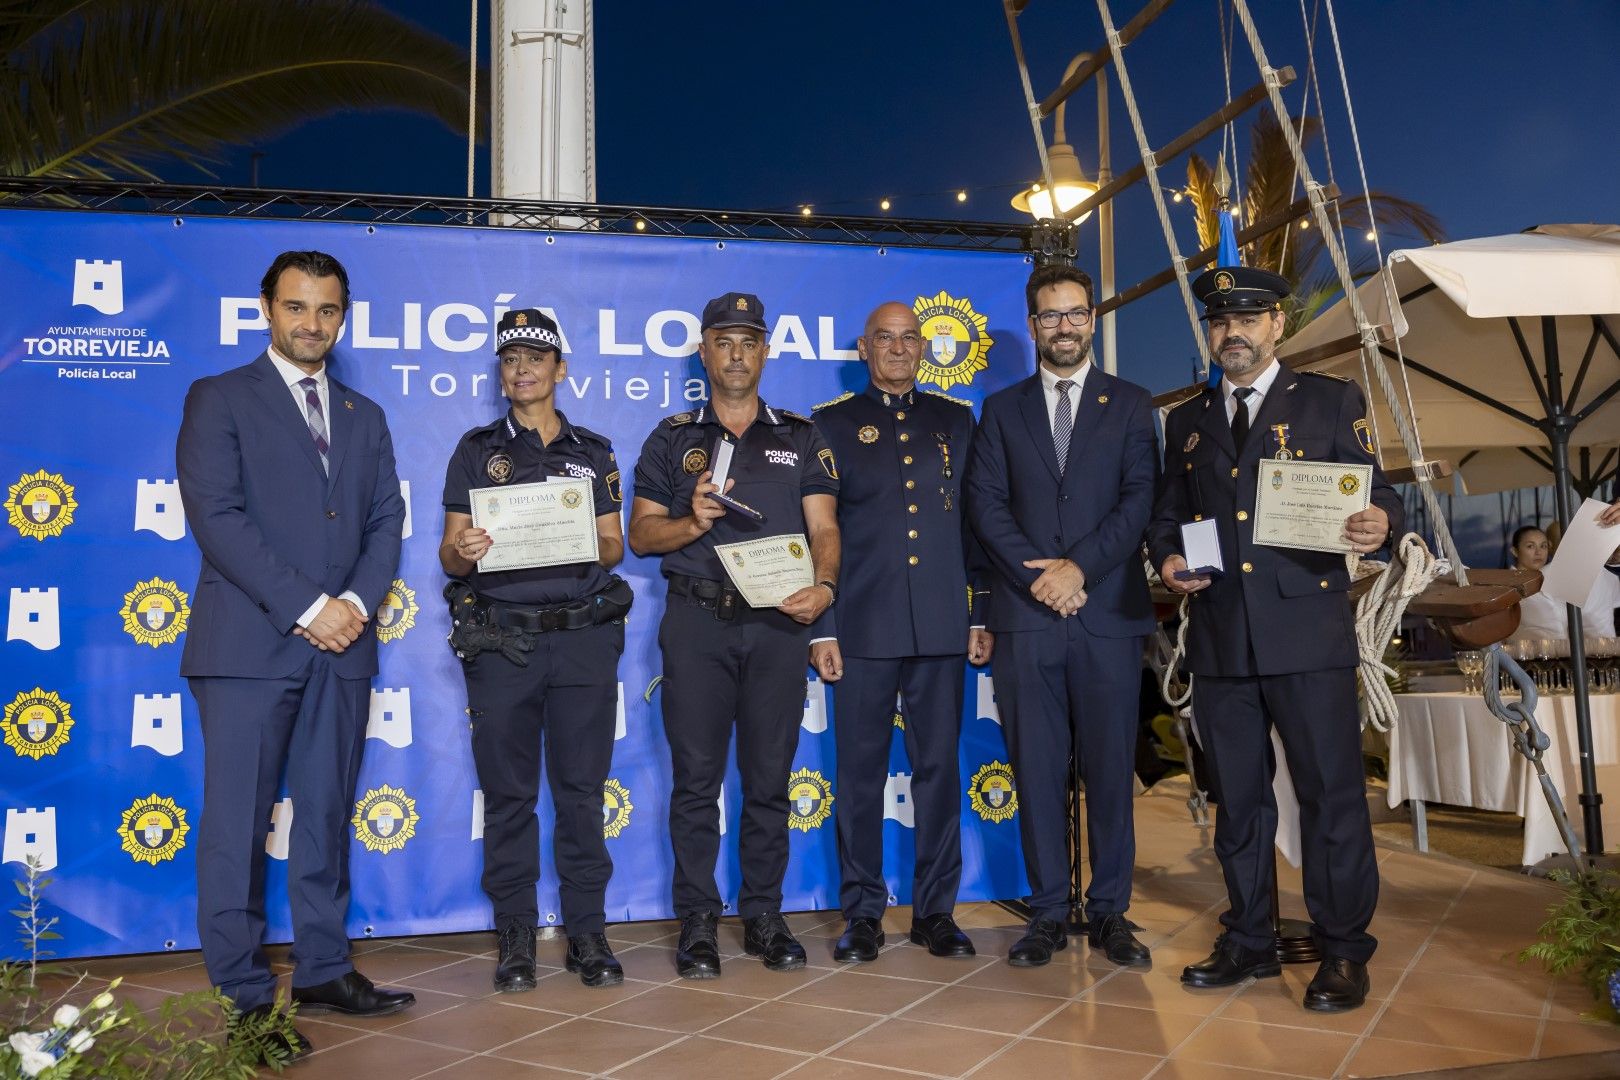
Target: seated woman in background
x=1540, y=616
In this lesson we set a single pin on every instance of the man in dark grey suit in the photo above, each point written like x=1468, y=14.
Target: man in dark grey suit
x=288, y=482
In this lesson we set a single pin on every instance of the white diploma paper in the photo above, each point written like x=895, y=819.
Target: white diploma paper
x=769, y=570
x=534, y=525
x=1201, y=545
x=1303, y=504
x=1581, y=556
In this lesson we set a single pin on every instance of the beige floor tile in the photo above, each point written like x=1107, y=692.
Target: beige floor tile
x=377, y=1055
x=1565, y=1037
x=874, y=995
x=561, y=991
x=400, y=964
x=748, y=977
x=1159, y=990
x=468, y=977
x=642, y=932
x=1038, y=1058
x=647, y=963
x=927, y=1048
x=983, y=1010
x=475, y=943
x=1278, y=1002
x=174, y=980
x=1472, y=992
x=1495, y=1033
x=698, y=1057
x=1066, y=976
x=1387, y=1057
x=677, y=1008
x=428, y=1003
x=491, y=1068
x=1116, y=1027
x=479, y=1025
x=915, y=962
x=1179, y=1069
x=828, y=1069
x=142, y=964
x=803, y=1028
x=1267, y=1048
x=585, y=1045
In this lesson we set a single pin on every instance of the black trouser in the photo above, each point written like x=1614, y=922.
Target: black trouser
x=863, y=727
x=569, y=695
x=1314, y=713
x=749, y=671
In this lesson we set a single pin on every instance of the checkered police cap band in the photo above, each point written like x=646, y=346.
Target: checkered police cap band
x=528, y=335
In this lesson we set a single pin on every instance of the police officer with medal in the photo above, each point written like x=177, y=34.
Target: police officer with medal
x=540, y=649
x=725, y=663
x=903, y=628
x=1272, y=640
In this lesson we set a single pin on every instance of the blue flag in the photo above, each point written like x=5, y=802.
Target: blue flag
x=1226, y=254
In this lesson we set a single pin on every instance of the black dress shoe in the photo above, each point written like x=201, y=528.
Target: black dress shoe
x=1112, y=934
x=266, y=1047
x=514, y=970
x=1230, y=964
x=767, y=936
x=1043, y=938
x=942, y=936
x=353, y=994
x=860, y=942
x=1339, y=986
x=697, y=955
x=590, y=956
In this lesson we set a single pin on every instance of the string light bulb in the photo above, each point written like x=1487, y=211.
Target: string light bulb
x=1304, y=224
x=1371, y=235
x=804, y=211
x=1177, y=196
x=961, y=196
x=641, y=226
x=884, y=205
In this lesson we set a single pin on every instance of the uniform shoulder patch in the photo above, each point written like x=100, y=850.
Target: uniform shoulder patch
x=791, y=415
x=845, y=396
x=964, y=402
x=680, y=418
x=1327, y=375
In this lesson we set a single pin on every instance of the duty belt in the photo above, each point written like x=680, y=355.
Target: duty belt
x=609, y=605
x=713, y=596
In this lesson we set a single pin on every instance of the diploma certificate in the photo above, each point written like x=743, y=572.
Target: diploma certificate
x=769, y=570
x=535, y=525
x=1303, y=504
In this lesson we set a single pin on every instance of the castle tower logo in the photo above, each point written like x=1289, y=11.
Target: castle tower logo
x=99, y=284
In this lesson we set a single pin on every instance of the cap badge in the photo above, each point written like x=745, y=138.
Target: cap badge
x=520, y=319
x=1224, y=282
x=742, y=303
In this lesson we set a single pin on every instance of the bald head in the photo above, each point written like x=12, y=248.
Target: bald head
x=892, y=346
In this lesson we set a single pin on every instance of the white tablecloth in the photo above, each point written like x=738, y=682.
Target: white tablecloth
x=1448, y=748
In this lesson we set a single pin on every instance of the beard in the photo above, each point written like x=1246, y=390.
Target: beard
x=1049, y=351
x=1239, y=355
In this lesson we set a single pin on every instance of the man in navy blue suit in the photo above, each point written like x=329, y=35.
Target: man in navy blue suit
x=1059, y=491
x=288, y=482
x=903, y=628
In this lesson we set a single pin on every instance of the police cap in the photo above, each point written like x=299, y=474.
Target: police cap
x=734, y=309
x=1230, y=290
x=527, y=326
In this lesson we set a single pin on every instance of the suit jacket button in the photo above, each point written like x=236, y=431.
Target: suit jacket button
x=906, y=460
x=331, y=513
x=912, y=509
x=912, y=534
x=1243, y=515
x=1248, y=568
x=1234, y=473
x=900, y=415
x=914, y=560
x=1323, y=584
x=910, y=484
x=904, y=437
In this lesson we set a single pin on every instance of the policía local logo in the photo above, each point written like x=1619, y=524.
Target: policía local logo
x=1349, y=484
x=616, y=807
x=40, y=504
x=955, y=341
x=155, y=612
x=36, y=723
x=384, y=819
x=154, y=828
x=810, y=800
x=397, y=612
x=992, y=793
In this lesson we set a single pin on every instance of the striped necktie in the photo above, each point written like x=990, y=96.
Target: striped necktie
x=315, y=418
x=1063, y=424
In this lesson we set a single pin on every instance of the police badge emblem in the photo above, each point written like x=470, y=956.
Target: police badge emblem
x=1190, y=444
x=992, y=792
x=499, y=468
x=695, y=461
x=36, y=723
x=153, y=829
x=810, y=800
x=155, y=612
x=616, y=807
x=384, y=818
x=1224, y=282
x=40, y=504
x=1363, y=433
x=867, y=434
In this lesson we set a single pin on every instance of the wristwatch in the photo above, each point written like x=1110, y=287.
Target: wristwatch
x=832, y=587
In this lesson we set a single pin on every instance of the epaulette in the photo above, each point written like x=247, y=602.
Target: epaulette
x=1191, y=397
x=954, y=400
x=1325, y=375
x=845, y=396
x=791, y=415
x=680, y=418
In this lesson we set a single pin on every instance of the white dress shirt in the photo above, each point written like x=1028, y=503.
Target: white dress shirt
x=1049, y=381
x=1540, y=616
x=291, y=374
x=1260, y=386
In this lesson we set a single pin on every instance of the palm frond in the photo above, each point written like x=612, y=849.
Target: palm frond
x=1206, y=200
x=117, y=89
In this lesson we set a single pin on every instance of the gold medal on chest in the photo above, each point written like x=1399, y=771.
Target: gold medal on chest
x=1281, y=431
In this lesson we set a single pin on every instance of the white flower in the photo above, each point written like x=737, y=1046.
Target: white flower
x=82, y=1040
x=34, y=1062
x=66, y=1016
x=27, y=1041
x=102, y=1000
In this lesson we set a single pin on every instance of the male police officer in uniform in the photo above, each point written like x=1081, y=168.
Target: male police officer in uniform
x=541, y=651
x=725, y=662
x=903, y=628
x=1272, y=642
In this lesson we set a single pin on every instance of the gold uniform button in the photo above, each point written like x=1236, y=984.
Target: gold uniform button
x=1243, y=515
x=912, y=509
x=1234, y=472
x=912, y=534
x=900, y=416
x=1248, y=568
x=1198, y=517
x=1299, y=453
x=912, y=560
x=1189, y=466
x=1323, y=584
x=906, y=459
x=910, y=484
x=904, y=437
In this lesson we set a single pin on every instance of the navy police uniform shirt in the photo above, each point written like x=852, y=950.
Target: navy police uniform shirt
x=780, y=459
x=904, y=586
x=505, y=453
x=1275, y=610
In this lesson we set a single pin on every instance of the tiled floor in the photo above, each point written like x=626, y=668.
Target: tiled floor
x=1446, y=993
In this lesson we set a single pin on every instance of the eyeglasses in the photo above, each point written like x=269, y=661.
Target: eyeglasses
x=1050, y=320
x=883, y=339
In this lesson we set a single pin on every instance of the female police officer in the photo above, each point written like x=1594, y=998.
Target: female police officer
x=540, y=649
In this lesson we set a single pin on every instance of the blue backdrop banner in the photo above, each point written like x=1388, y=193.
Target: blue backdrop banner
x=108, y=320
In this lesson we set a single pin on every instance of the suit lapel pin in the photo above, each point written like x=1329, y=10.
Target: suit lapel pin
x=1102, y=399
x=347, y=404
x=1192, y=441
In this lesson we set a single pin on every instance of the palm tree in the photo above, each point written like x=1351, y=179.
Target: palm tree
x=120, y=88
x=1298, y=254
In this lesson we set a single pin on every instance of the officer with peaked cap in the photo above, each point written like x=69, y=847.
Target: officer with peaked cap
x=727, y=664
x=540, y=648
x=1272, y=640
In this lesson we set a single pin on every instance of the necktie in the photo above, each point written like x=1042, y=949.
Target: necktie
x=315, y=418
x=1063, y=424
x=1240, y=418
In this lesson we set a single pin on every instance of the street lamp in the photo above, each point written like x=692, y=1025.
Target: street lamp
x=1069, y=184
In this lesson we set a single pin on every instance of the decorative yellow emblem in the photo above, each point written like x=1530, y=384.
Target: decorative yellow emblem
x=1102, y=399
x=499, y=468
x=695, y=461
x=155, y=612
x=810, y=800
x=397, y=612
x=616, y=807
x=36, y=723
x=384, y=818
x=1363, y=432
x=992, y=793
x=795, y=549
x=957, y=342
x=828, y=465
x=742, y=303
x=1349, y=484
x=867, y=434
x=1224, y=282
x=40, y=504
x=154, y=829
x=520, y=319
x=572, y=499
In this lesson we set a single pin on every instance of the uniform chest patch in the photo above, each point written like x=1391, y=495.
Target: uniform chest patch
x=867, y=434
x=583, y=471
x=782, y=457
x=499, y=468
x=695, y=461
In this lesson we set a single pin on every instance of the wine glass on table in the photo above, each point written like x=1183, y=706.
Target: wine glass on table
x=1471, y=662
